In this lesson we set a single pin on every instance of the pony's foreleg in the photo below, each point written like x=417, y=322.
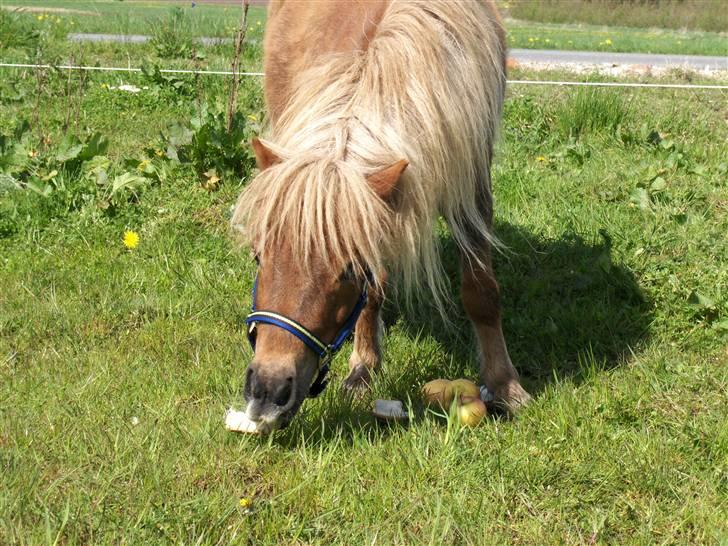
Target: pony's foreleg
x=481, y=300
x=367, y=353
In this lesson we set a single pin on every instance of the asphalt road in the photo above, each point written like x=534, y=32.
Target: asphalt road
x=520, y=55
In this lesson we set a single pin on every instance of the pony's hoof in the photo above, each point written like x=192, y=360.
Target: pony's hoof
x=511, y=397
x=358, y=380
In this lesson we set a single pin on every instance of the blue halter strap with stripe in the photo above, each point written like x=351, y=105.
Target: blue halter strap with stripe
x=324, y=351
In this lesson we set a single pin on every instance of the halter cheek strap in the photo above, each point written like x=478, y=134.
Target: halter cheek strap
x=325, y=352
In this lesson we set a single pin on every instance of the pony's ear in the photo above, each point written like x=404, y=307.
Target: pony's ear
x=385, y=181
x=263, y=156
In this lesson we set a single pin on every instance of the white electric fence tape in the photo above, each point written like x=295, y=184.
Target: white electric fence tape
x=229, y=73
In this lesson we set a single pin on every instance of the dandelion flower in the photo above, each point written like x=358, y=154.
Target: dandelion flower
x=541, y=158
x=245, y=502
x=131, y=239
x=608, y=41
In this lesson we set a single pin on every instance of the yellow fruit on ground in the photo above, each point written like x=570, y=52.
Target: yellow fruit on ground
x=471, y=411
x=438, y=393
x=464, y=387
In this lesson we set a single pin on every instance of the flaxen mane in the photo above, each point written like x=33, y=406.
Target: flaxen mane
x=427, y=89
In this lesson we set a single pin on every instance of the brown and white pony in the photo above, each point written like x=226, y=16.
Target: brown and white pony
x=383, y=115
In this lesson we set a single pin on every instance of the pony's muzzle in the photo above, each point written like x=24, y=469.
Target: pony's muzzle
x=268, y=397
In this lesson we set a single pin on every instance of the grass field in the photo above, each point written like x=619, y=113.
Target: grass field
x=585, y=37
x=708, y=15
x=220, y=21
x=116, y=365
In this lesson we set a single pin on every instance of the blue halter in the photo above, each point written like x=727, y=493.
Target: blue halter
x=324, y=351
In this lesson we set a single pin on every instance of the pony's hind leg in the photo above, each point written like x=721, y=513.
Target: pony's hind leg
x=481, y=300
x=367, y=354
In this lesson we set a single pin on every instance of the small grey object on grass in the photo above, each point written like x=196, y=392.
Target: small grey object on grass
x=390, y=410
x=485, y=395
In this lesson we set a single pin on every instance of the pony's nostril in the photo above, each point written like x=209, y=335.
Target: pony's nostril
x=254, y=387
x=283, y=393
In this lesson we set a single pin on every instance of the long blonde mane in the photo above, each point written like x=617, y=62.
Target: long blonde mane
x=429, y=89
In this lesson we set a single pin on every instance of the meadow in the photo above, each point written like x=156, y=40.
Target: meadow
x=532, y=28
x=676, y=14
x=117, y=363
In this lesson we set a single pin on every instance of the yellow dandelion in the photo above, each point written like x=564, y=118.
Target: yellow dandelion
x=143, y=165
x=531, y=40
x=541, y=158
x=608, y=41
x=245, y=502
x=131, y=239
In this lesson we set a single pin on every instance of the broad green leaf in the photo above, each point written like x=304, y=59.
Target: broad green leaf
x=700, y=300
x=127, y=182
x=641, y=198
x=658, y=184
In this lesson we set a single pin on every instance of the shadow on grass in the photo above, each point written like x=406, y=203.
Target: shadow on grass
x=567, y=309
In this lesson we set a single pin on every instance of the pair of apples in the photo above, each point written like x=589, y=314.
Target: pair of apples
x=470, y=408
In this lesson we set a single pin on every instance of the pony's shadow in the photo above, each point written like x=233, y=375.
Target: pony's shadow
x=567, y=309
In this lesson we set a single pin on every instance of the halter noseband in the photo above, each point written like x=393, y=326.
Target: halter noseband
x=325, y=352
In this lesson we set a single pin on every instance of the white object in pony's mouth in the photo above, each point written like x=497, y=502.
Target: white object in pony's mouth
x=238, y=421
x=390, y=410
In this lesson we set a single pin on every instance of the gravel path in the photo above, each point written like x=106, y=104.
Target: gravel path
x=551, y=56
x=132, y=38
x=521, y=56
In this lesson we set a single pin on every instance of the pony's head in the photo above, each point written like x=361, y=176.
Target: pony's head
x=315, y=259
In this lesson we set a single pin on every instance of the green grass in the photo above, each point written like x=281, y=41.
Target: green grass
x=28, y=37
x=112, y=16
x=155, y=18
x=116, y=366
x=678, y=14
x=586, y=37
